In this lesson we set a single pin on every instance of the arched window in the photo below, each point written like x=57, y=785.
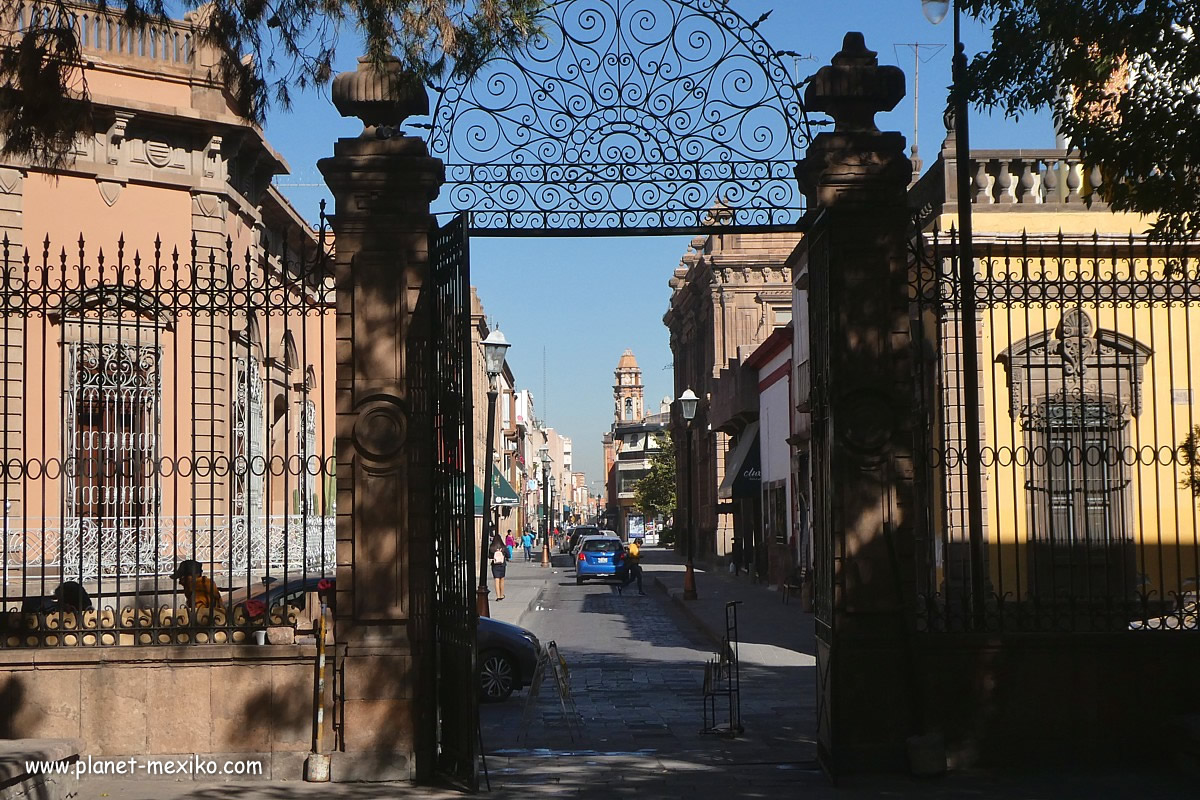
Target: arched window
x=1073, y=390
x=249, y=423
x=112, y=395
x=628, y=408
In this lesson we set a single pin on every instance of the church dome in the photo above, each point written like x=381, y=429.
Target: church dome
x=627, y=360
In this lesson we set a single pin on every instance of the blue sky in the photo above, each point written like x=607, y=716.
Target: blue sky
x=575, y=304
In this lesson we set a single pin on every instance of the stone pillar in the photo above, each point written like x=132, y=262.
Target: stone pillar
x=863, y=417
x=383, y=183
x=12, y=337
x=210, y=367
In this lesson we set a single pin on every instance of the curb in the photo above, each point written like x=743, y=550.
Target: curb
x=690, y=613
x=533, y=602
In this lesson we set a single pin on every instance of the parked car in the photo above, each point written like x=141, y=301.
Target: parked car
x=291, y=592
x=600, y=557
x=508, y=655
x=571, y=540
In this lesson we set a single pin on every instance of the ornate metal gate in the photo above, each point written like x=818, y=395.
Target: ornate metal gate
x=826, y=559
x=454, y=619
x=622, y=117
x=627, y=117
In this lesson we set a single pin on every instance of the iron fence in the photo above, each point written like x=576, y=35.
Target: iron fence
x=1089, y=419
x=161, y=409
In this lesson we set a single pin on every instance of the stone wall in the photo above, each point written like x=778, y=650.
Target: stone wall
x=220, y=701
x=1044, y=700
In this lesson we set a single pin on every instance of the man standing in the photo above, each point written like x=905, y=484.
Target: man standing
x=633, y=560
x=527, y=543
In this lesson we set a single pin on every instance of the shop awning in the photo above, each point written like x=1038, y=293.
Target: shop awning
x=743, y=467
x=503, y=493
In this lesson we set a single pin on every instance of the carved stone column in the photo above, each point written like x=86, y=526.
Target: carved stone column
x=12, y=335
x=855, y=178
x=383, y=183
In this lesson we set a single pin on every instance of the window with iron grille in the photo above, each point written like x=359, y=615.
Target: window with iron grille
x=775, y=512
x=307, y=445
x=112, y=407
x=249, y=438
x=1080, y=497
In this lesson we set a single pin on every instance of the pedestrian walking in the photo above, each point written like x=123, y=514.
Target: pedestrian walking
x=499, y=564
x=510, y=543
x=527, y=543
x=735, y=553
x=633, y=566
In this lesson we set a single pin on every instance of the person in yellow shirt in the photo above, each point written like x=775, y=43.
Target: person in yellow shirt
x=633, y=561
x=198, y=589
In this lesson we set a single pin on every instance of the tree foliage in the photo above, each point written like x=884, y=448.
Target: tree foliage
x=1122, y=79
x=269, y=48
x=1189, y=456
x=654, y=493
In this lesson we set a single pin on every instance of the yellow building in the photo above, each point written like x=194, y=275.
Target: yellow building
x=1088, y=342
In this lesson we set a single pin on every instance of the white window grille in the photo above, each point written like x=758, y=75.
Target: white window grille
x=112, y=409
x=249, y=439
x=307, y=443
x=111, y=414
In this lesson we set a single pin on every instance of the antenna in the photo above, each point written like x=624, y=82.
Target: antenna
x=917, y=62
x=796, y=59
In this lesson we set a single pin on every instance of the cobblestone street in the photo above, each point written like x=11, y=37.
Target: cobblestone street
x=636, y=671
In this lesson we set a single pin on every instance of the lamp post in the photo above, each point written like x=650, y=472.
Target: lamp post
x=544, y=454
x=687, y=408
x=935, y=12
x=494, y=348
x=554, y=498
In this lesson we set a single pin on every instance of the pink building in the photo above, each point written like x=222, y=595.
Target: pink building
x=168, y=346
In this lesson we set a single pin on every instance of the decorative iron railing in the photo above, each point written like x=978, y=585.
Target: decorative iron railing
x=1089, y=353
x=163, y=405
x=87, y=549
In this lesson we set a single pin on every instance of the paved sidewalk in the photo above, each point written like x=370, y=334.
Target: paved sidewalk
x=523, y=583
x=771, y=633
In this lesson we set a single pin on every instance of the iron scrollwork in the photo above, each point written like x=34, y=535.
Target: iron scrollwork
x=664, y=115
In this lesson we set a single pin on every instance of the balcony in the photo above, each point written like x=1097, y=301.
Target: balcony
x=1001, y=180
x=734, y=399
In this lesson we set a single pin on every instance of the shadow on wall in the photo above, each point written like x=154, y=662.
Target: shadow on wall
x=13, y=705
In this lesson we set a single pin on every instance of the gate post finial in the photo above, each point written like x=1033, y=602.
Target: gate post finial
x=854, y=88
x=856, y=161
x=381, y=94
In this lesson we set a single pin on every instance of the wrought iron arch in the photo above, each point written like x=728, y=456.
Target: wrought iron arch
x=625, y=117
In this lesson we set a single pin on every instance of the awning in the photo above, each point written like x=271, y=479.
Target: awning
x=743, y=467
x=503, y=493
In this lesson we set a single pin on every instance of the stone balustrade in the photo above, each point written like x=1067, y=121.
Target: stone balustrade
x=1005, y=179
x=104, y=35
x=1032, y=177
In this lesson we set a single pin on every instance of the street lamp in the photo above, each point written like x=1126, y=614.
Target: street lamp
x=687, y=408
x=554, y=500
x=935, y=12
x=494, y=348
x=544, y=454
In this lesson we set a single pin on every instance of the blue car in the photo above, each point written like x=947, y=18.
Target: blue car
x=600, y=557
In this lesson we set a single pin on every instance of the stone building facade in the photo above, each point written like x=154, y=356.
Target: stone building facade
x=182, y=372
x=729, y=293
